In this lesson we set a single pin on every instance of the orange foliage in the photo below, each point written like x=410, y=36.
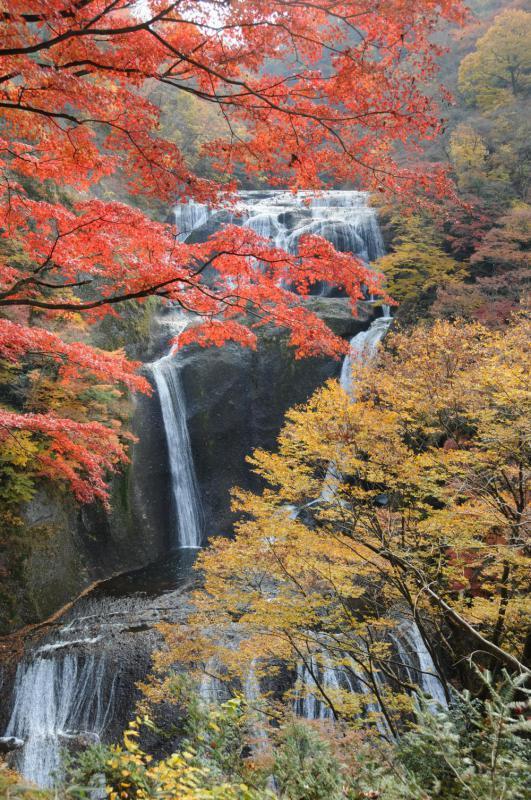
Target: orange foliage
x=323, y=93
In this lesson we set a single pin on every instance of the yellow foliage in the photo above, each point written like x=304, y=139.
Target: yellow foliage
x=418, y=264
x=419, y=483
x=131, y=774
x=499, y=69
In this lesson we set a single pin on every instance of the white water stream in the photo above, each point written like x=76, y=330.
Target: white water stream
x=344, y=218
x=58, y=700
x=188, y=522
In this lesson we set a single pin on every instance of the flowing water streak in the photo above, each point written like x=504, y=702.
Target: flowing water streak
x=321, y=679
x=416, y=658
x=57, y=700
x=188, y=217
x=188, y=509
x=309, y=701
x=257, y=724
x=362, y=350
x=211, y=688
x=344, y=218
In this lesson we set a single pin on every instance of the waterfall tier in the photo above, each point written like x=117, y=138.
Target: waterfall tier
x=362, y=350
x=187, y=507
x=57, y=700
x=76, y=684
x=344, y=218
x=319, y=677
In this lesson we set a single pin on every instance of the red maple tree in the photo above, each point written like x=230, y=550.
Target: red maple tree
x=323, y=91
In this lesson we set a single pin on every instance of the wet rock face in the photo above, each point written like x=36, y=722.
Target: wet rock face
x=73, y=546
x=236, y=400
x=77, y=682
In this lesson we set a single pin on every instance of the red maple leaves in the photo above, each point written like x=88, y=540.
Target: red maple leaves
x=321, y=92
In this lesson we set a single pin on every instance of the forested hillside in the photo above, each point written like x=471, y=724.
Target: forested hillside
x=264, y=399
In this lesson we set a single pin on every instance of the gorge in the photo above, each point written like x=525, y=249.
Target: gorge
x=264, y=400
x=76, y=683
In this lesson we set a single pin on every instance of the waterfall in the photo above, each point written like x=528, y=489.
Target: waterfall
x=57, y=700
x=322, y=674
x=253, y=696
x=344, y=218
x=418, y=663
x=319, y=677
x=309, y=702
x=362, y=350
x=188, y=217
x=347, y=220
x=412, y=652
x=64, y=690
x=188, y=511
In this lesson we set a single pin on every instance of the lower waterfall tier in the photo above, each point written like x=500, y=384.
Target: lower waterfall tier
x=78, y=683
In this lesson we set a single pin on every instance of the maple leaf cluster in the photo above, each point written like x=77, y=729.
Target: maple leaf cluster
x=322, y=93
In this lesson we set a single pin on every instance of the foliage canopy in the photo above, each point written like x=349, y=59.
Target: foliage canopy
x=308, y=94
x=411, y=500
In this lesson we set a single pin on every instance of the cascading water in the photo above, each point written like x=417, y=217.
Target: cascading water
x=58, y=699
x=363, y=349
x=309, y=701
x=188, y=217
x=417, y=660
x=320, y=680
x=188, y=511
x=344, y=218
x=77, y=685
x=64, y=689
x=412, y=651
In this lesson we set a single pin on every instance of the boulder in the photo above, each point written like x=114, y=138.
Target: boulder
x=10, y=743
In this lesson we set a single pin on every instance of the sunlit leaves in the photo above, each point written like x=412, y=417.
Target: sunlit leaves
x=499, y=70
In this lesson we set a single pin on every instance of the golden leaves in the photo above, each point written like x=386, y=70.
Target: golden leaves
x=418, y=482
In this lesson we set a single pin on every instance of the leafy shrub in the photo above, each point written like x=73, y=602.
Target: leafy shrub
x=305, y=767
x=474, y=749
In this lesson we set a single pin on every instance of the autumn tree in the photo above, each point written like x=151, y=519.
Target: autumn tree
x=506, y=247
x=322, y=94
x=469, y=154
x=500, y=268
x=417, y=264
x=500, y=67
x=495, y=80
x=424, y=514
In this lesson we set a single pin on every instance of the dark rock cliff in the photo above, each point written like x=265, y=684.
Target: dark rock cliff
x=236, y=400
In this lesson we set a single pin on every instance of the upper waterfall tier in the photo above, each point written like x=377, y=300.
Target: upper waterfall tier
x=343, y=217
